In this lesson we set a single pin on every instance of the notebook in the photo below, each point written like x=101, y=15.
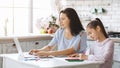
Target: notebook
x=74, y=59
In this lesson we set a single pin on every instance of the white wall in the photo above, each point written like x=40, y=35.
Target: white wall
x=110, y=19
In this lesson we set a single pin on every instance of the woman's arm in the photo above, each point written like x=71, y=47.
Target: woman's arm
x=50, y=46
x=56, y=53
x=63, y=52
x=45, y=48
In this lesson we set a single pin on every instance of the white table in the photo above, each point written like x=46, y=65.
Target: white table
x=11, y=61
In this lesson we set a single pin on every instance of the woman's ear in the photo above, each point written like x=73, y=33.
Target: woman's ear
x=98, y=28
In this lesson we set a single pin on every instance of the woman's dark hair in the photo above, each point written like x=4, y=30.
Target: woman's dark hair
x=75, y=23
x=97, y=22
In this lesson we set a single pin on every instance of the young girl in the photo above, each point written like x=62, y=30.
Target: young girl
x=104, y=47
x=69, y=38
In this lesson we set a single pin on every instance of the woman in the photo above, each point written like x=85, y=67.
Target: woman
x=69, y=38
x=104, y=47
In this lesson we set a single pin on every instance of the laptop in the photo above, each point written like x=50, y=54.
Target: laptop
x=26, y=55
x=22, y=55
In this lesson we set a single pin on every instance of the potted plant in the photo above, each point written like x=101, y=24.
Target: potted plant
x=52, y=25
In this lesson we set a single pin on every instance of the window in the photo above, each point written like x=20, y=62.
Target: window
x=18, y=17
x=6, y=17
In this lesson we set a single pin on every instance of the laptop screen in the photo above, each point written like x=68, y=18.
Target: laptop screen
x=19, y=49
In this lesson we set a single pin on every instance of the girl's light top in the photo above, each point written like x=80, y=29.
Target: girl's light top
x=103, y=51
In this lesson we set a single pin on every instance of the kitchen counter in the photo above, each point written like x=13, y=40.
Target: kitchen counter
x=116, y=40
x=35, y=37
x=29, y=37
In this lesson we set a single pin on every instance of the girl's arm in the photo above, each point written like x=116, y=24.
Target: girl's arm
x=108, y=54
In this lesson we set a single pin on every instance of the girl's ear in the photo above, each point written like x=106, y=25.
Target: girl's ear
x=98, y=28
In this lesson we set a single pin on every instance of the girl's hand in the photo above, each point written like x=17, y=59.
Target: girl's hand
x=83, y=56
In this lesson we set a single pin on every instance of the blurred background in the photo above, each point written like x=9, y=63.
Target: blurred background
x=19, y=17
